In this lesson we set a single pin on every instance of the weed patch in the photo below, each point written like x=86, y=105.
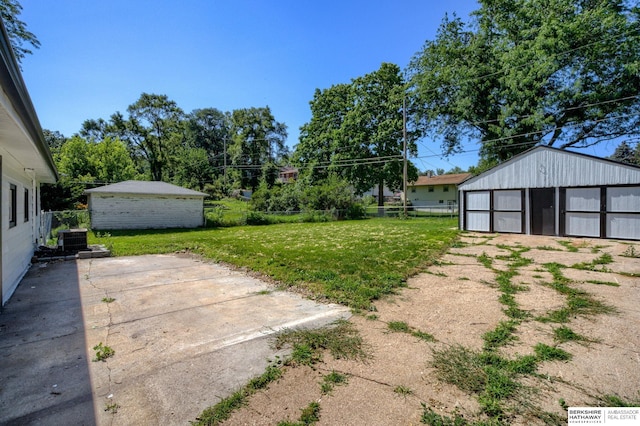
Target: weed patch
x=332, y=379
x=403, y=390
x=103, y=352
x=550, y=353
x=341, y=339
x=596, y=264
x=403, y=327
x=108, y=299
x=222, y=410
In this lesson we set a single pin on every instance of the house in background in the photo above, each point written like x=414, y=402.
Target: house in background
x=288, y=174
x=547, y=191
x=435, y=191
x=137, y=204
x=25, y=163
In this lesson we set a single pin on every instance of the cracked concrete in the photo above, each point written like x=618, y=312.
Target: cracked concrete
x=186, y=333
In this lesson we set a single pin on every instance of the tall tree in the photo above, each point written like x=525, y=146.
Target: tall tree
x=562, y=73
x=257, y=139
x=19, y=36
x=626, y=154
x=152, y=132
x=208, y=129
x=356, y=130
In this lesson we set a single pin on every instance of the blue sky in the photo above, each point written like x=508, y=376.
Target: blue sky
x=97, y=57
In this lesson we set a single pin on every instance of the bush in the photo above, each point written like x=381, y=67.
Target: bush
x=258, y=218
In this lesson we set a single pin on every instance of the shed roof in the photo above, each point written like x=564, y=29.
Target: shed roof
x=545, y=167
x=451, y=179
x=144, y=187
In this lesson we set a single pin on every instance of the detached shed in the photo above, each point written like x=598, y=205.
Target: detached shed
x=145, y=205
x=547, y=191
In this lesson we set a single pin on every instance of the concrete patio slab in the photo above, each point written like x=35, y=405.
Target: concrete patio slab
x=185, y=332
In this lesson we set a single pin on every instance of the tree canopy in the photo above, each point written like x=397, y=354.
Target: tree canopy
x=562, y=73
x=356, y=131
x=17, y=31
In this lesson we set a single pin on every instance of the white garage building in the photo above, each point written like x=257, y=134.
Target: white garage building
x=547, y=191
x=145, y=205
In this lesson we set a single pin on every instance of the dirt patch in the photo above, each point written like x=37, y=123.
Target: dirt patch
x=458, y=301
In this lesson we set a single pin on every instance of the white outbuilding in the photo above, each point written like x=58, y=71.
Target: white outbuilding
x=136, y=204
x=548, y=191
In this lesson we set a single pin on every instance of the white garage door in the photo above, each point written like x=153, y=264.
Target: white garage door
x=623, y=212
x=582, y=212
x=507, y=211
x=477, y=211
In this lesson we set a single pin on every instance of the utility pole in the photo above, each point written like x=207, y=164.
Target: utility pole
x=404, y=149
x=224, y=168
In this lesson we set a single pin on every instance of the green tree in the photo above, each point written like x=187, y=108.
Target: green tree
x=110, y=161
x=153, y=132
x=625, y=154
x=356, y=131
x=208, y=129
x=192, y=168
x=257, y=139
x=562, y=73
x=54, y=140
x=17, y=31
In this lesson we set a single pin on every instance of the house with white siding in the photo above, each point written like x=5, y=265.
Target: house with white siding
x=25, y=163
x=136, y=204
x=435, y=191
x=548, y=191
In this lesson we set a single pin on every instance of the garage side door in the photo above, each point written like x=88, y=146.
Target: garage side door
x=623, y=212
x=477, y=211
x=582, y=214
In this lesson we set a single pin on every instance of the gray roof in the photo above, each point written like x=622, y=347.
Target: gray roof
x=144, y=187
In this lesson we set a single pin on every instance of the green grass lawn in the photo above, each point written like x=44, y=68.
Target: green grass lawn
x=350, y=262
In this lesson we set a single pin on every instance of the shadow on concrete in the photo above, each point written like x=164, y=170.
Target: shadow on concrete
x=44, y=365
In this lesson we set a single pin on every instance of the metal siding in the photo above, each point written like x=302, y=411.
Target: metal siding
x=625, y=226
x=507, y=221
x=145, y=212
x=624, y=199
x=583, y=199
x=507, y=200
x=478, y=200
x=547, y=168
x=583, y=224
x=478, y=221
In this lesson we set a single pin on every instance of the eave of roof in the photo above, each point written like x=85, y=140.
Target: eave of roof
x=145, y=188
x=15, y=89
x=451, y=179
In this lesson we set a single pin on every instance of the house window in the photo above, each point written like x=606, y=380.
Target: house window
x=413, y=190
x=26, y=205
x=445, y=188
x=13, y=208
x=441, y=202
x=430, y=188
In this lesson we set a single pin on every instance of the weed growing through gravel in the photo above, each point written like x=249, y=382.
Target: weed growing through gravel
x=578, y=302
x=550, y=353
x=596, y=264
x=103, y=352
x=631, y=251
x=403, y=390
x=403, y=327
x=565, y=334
x=222, y=410
x=341, y=339
x=108, y=299
x=331, y=380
